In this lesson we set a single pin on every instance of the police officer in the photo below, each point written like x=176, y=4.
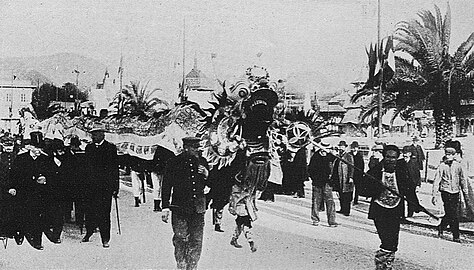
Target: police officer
x=185, y=181
x=8, y=222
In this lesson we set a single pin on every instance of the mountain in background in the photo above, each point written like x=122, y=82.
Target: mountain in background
x=57, y=69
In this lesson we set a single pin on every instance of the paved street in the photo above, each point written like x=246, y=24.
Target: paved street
x=283, y=233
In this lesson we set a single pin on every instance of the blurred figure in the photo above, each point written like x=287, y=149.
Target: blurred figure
x=413, y=173
x=358, y=168
x=343, y=178
x=160, y=158
x=418, y=156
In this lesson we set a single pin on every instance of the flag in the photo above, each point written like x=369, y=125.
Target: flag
x=213, y=55
x=259, y=54
x=391, y=60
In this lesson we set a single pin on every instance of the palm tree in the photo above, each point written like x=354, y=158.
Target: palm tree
x=137, y=100
x=430, y=75
x=441, y=79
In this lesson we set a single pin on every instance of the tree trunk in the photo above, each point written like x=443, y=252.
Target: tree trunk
x=443, y=127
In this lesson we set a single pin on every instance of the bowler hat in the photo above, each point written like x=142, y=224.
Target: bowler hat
x=354, y=144
x=342, y=143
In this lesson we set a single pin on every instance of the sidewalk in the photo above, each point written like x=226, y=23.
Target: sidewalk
x=420, y=219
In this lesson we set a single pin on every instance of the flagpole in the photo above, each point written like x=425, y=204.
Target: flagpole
x=184, y=59
x=381, y=72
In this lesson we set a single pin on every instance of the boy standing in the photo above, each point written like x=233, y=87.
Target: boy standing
x=449, y=180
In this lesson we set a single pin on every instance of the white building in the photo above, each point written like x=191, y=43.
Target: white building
x=14, y=95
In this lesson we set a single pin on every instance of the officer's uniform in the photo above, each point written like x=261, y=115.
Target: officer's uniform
x=188, y=204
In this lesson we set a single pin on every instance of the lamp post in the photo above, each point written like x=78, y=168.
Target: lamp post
x=77, y=72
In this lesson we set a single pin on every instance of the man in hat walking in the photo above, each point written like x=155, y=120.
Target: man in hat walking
x=319, y=170
x=358, y=168
x=418, y=156
x=31, y=176
x=343, y=178
x=102, y=183
x=185, y=182
x=450, y=179
x=412, y=167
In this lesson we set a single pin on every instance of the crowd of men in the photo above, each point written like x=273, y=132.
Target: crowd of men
x=43, y=180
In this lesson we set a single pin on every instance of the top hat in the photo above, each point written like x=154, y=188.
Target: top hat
x=191, y=141
x=98, y=127
x=37, y=139
x=57, y=144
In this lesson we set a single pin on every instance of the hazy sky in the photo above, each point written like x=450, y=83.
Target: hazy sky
x=326, y=36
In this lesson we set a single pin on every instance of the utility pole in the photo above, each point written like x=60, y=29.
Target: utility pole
x=77, y=87
x=381, y=71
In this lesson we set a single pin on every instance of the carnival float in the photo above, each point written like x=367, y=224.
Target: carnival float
x=247, y=116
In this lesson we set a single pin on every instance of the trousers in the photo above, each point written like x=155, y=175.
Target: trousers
x=451, y=216
x=323, y=196
x=187, y=239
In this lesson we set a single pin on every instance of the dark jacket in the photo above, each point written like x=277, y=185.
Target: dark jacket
x=160, y=158
x=319, y=169
x=417, y=155
x=102, y=174
x=25, y=171
x=358, y=163
x=183, y=183
x=6, y=162
x=371, y=188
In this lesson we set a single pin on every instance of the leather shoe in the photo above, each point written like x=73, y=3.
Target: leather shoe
x=218, y=228
x=106, y=245
x=19, y=239
x=38, y=247
x=57, y=241
x=234, y=243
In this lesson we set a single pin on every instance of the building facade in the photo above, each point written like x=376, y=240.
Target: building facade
x=14, y=95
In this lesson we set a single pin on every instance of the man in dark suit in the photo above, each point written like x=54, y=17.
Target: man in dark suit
x=102, y=183
x=358, y=168
x=418, y=156
x=185, y=180
x=32, y=175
